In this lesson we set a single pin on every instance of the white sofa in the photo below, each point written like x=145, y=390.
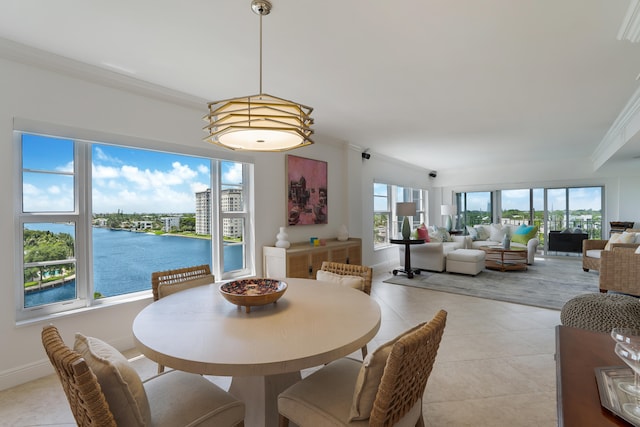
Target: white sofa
x=492, y=240
x=432, y=256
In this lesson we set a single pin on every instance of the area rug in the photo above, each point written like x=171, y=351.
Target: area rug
x=548, y=283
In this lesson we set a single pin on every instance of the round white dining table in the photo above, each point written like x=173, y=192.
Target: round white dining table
x=313, y=323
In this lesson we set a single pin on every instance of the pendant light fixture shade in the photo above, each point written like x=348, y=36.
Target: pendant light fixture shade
x=259, y=122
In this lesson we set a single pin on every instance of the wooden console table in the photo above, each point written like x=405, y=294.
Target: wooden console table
x=578, y=353
x=303, y=260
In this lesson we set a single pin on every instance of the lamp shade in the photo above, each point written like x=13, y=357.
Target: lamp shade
x=406, y=209
x=448, y=209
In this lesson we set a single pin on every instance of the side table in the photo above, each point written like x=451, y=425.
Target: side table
x=407, y=256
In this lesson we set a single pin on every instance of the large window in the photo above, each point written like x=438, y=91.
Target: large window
x=473, y=208
x=386, y=223
x=95, y=220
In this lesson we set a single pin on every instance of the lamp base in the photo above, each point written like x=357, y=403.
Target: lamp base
x=406, y=229
x=447, y=224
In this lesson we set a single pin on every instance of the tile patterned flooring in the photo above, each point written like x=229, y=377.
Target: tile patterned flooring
x=495, y=366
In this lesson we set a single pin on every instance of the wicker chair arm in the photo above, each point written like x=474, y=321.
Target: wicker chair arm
x=588, y=244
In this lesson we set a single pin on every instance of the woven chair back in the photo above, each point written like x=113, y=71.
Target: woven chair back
x=88, y=404
x=351, y=270
x=180, y=278
x=406, y=373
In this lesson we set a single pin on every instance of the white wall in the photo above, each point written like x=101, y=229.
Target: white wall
x=37, y=95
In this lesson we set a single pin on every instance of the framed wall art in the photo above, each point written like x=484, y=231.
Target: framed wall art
x=306, y=191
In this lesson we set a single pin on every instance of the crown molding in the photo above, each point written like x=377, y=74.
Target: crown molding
x=617, y=135
x=28, y=55
x=630, y=29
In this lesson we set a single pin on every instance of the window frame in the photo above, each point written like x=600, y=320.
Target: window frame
x=393, y=197
x=82, y=213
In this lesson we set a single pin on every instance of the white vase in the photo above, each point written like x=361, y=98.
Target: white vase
x=343, y=233
x=283, y=239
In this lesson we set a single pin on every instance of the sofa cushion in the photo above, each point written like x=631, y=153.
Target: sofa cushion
x=497, y=232
x=482, y=231
x=524, y=233
x=119, y=381
x=472, y=232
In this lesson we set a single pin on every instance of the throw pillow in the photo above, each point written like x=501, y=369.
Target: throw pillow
x=473, y=232
x=369, y=378
x=620, y=238
x=423, y=233
x=497, y=232
x=120, y=383
x=524, y=233
x=483, y=232
x=637, y=250
x=440, y=234
x=355, y=282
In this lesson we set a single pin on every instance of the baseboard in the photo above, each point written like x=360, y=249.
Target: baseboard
x=25, y=373
x=41, y=368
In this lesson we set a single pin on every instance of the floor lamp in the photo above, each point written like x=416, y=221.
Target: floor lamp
x=406, y=209
x=448, y=210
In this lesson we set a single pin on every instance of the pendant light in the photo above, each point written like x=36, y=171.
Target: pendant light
x=259, y=122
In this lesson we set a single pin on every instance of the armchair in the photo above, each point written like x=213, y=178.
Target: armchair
x=592, y=250
x=620, y=271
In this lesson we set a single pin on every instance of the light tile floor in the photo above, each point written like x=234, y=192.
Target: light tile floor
x=495, y=366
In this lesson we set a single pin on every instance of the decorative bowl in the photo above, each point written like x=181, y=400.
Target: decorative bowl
x=253, y=292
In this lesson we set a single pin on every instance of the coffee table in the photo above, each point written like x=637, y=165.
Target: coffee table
x=499, y=258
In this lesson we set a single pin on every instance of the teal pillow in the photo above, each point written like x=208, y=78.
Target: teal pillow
x=524, y=233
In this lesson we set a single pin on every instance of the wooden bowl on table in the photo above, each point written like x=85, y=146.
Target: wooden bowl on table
x=253, y=292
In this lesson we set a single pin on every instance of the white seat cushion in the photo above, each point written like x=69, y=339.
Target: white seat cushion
x=182, y=399
x=468, y=255
x=594, y=253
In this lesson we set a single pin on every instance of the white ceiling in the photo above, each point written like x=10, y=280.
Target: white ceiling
x=437, y=83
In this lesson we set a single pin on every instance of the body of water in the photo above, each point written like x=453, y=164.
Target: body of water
x=123, y=261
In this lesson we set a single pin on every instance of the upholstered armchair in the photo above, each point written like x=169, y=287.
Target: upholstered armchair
x=620, y=271
x=592, y=250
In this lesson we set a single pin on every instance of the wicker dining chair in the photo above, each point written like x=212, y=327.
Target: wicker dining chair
x=352, y=270
x=167, y=282
x=385, y=390
x=172, y=398
x=87, y=402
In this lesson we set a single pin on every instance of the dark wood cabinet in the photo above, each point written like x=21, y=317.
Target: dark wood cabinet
x=566, y=242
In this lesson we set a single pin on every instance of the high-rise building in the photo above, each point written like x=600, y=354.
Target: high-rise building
x=203, y=212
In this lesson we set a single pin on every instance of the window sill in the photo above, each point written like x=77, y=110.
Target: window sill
x=139, y=296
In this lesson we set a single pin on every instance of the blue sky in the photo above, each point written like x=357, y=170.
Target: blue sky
x=140, y=181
